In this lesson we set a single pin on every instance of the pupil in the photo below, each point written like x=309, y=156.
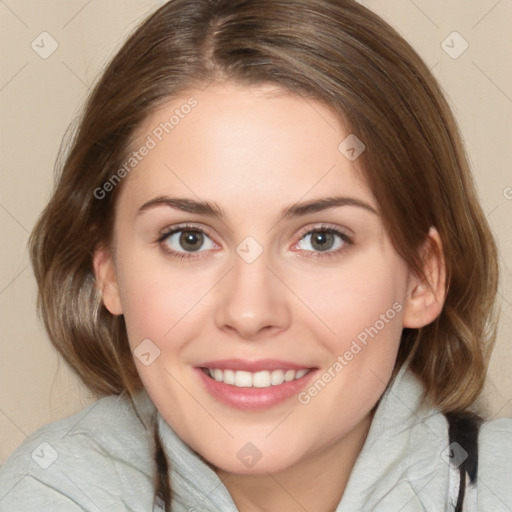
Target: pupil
x=323, y=240
x=191, y=240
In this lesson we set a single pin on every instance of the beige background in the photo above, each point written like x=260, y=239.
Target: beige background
x=40, y=97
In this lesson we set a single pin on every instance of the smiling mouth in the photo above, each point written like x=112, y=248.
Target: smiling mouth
x=260, y=379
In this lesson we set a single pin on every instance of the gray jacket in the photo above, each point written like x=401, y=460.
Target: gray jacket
x=101, y=459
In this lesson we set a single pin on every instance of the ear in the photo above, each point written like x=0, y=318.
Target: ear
x=106, y=280
x=427, y=295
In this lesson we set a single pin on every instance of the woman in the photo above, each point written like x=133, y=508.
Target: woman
x=324, y=318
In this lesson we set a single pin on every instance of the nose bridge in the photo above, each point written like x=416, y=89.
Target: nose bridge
x=252, y=298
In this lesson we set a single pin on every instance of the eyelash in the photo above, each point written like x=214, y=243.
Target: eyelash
x=347, y=240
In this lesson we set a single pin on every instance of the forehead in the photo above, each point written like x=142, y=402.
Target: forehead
x=258, y=146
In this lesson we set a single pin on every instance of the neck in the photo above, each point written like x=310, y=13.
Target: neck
x=315, y=483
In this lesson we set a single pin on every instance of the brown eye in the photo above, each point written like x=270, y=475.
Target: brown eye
x=324, y=242
x=191, y=240
x=183, y=240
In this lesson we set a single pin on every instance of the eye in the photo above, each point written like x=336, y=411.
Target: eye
x=324, y=239
x=182, y=241
x=179, y=241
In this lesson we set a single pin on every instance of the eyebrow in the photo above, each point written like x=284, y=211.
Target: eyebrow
x=212, y=209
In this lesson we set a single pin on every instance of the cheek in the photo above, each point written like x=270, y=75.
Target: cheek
x=364, y=296
x=369, y=310
x=158, y=300
x=361, y=308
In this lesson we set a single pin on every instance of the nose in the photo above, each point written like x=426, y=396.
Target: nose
x=252, y=300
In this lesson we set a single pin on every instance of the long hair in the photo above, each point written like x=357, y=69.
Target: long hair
x=333, y=51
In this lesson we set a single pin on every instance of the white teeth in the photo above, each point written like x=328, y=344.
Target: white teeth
x=277, y=377
x=243, y=379
x=300, y=374
x=229, y=377
x=262, y=379
x=289, y=375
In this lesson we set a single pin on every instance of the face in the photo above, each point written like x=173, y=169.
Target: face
x=297, y=311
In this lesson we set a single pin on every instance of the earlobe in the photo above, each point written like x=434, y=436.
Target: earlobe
x=427, y=293
x=106, y=280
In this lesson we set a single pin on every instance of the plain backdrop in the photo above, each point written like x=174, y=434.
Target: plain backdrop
x=43, y=86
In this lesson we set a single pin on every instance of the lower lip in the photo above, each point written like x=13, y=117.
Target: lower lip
x=253, y=398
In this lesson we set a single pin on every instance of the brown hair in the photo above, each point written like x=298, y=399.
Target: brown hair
x=336, y=52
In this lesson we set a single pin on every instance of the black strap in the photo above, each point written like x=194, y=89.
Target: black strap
x=463, y=430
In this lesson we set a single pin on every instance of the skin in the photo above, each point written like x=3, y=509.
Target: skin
x=256, y=151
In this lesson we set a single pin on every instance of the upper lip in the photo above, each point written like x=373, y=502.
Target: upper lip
x=253, y=366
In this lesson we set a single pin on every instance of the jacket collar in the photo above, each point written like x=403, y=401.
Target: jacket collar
x=403, y=432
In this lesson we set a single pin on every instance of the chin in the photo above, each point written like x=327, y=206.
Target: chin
x=242, y=464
